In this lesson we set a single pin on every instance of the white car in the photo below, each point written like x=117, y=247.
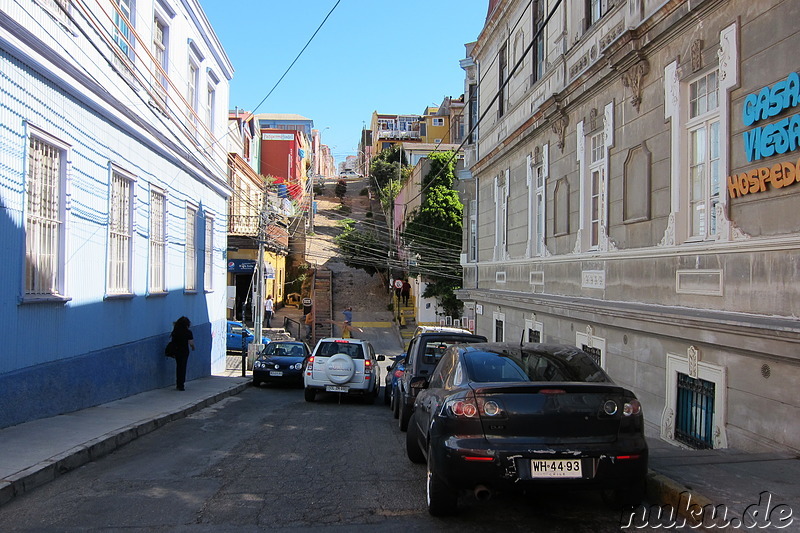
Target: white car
x=346, y=366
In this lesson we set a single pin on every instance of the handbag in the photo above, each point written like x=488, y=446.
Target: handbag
x=171, y=349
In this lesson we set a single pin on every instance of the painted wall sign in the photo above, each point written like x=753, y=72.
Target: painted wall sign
x=779, y=137
x=777, y=176
x=277, y=136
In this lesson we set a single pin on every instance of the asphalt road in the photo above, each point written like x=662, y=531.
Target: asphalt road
x=266, y=459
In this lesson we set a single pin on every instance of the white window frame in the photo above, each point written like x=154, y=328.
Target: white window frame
x=123, y=34
x=531, y=324
x=596, y=193
x=472, y=236
x=537, y=173
x=593, y=157
x=192, y=84
x=156, y=275
x=208, y=254
x=437, y=122
x=701, y=213
x=501, y=318
x=161, y=56
x=44, y=269
x=121, y=213
x=501, y=187
x=190, y=249
x=716, y=374
x=589, y=339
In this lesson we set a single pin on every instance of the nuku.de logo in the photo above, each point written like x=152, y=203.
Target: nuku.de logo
x=759, y=516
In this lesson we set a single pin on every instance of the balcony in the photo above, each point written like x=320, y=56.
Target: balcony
x=398, y=134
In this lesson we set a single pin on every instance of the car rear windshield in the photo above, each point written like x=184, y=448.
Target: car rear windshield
x=527, y=365
x=283, y=348
x=328, y=349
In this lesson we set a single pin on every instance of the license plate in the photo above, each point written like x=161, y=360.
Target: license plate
x=336, y=388
x=567, y=468
x=276, y=373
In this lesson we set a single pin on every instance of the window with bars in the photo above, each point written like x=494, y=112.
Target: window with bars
x=499, y=326
x=44, y=261
x=534, y=335
x=158, y=242
x=59, y=9
x=694, y=419
x=538, y=46
x=208, y=256
x=190, y=282
x=594, y=352
x=502, y=74
x=473, y=113
x=704, y=156
x=120, y=235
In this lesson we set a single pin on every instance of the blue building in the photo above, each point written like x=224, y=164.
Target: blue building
x=113, y=199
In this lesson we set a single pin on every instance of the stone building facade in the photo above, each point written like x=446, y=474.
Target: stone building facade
x=633, y=174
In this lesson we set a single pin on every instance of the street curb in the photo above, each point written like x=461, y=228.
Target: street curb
x=684, y=502
x=48, y=470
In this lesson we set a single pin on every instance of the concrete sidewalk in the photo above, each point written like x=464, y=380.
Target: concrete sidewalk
x=694, y=483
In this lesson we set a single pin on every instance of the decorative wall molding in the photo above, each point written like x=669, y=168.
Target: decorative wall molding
x=559, y=127
x=697, y=55
x=632, y=79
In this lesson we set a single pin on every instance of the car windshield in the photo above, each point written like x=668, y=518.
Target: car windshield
x=529, y=365
x=328, y=349
x=283, y=348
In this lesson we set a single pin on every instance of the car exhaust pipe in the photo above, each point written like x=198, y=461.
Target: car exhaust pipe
x=482, y=493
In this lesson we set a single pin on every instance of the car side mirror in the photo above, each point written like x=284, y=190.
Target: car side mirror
x=419, y=383
x=381, y=357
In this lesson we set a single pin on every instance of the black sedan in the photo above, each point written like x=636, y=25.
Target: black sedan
x=497, y=416
x=281, y=362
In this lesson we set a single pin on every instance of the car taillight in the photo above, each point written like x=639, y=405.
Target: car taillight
x=310, y=365
x=398, y=373
x=632, y=407
x=470, y=408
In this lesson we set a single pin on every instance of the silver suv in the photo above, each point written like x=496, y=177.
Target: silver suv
x=347, y=366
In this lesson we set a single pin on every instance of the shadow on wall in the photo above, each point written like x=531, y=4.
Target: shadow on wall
x=59, y=357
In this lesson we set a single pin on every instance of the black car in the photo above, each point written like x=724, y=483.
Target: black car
x=281, y=362
x=497, y=416
x=424, y=351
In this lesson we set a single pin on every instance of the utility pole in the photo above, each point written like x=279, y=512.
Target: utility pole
x=258, y=307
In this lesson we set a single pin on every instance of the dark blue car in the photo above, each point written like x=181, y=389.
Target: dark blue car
x=281, y=362
x=394, y=371
x=233, y=340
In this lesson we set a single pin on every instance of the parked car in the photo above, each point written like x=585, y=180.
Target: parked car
x=500, y=416
x=393, y=373
x=346, y=366
x=281, y=362
x=424, y=351
x=233, y=340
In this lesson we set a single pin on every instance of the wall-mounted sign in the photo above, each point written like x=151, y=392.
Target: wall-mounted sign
x=277, y=136
x=241, y=266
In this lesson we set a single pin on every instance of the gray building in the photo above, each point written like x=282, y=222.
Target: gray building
x=632, y=180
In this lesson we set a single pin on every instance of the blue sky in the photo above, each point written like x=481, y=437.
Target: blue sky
x=370, y=55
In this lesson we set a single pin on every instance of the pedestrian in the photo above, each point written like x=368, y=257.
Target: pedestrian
x=309, y=321
x=348, y=321
x=406, y=291
x=269, y=310
x=183, y=338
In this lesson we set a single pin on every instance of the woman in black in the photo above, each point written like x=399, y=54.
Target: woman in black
x=183, y=337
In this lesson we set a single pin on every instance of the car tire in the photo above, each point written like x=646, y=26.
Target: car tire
x=627, y=496
x=310, y=395
x=413, y=451
x=395, y=403
x=256, y=383
x=386, y=397
x=404, y=416
x=370, y=397
x=442, y=500
x=339, y=375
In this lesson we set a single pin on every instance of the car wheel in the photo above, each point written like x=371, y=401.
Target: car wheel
x=626, y=496
x=256, y=383
x=413, y=450
x=386, y=397
x=310, y=395
x=405, y=415
x=442, y=500
x=369, y=398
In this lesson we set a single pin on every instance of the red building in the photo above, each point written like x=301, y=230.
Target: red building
x=282, y=156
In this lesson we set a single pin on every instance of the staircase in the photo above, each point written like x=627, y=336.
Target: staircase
x=323, y=305
x=408, y=321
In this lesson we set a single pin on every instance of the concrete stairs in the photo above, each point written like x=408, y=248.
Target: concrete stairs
x=323, y=305
x=408, y=322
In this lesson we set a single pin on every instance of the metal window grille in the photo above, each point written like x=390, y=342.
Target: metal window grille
x=534, y=335
x=119, y=253
x=695, y=412
x=208, y=256
x=498, y=330
x=191, y=249
x=157, y=242
x=43, y=223
x=122, y=32
x=593, y=352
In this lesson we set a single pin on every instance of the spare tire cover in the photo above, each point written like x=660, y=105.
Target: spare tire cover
x=340, y=368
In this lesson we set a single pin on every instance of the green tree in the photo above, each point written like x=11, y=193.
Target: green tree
x=433, y=233
x=360, y=249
